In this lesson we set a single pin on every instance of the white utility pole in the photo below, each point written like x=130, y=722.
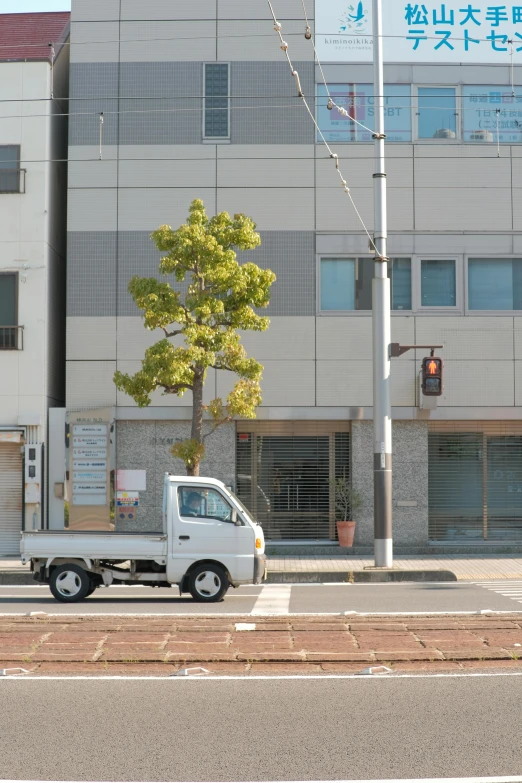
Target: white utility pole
x=382, y=425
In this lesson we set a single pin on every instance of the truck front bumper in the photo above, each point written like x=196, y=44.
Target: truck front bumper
x=259, y=569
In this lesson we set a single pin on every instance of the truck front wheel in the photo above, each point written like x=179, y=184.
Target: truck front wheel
x=207, y=583
x=69, y=583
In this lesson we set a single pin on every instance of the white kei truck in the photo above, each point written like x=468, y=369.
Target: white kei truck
x=208, y=543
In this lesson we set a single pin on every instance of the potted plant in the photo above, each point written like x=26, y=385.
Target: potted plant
x=347, y=502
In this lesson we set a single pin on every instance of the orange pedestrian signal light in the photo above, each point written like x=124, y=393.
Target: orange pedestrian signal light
x=432, y=367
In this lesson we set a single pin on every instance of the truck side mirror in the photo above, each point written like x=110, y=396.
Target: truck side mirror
x=235, y=518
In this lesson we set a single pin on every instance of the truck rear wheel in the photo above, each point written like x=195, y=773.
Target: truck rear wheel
x=69, y=583
x=207, y=583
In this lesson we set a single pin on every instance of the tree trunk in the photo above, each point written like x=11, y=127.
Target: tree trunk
x=197, y=418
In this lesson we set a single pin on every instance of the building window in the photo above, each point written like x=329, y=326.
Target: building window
x=8, y=311
x=359, y=102
x=495, y=284
x=438, y=283
x=436, y=113
x=9, y=169
x=216, y=113
x=346, y=284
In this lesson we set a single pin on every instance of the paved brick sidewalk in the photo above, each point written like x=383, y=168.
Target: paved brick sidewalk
x=463, y=566
x=103, y=642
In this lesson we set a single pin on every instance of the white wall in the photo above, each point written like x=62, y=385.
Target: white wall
x=32, y=245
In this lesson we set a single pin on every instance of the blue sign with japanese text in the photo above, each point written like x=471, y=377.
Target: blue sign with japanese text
x=429, y=32
x=492, y=114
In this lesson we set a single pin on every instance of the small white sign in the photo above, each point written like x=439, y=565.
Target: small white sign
x=127, y=499
x=87, y=440
x=131, y=480
x=85, y=464
x=89, y=475
x=90, y=489
x=89, y=500
x=89, y=429
x=90, y=453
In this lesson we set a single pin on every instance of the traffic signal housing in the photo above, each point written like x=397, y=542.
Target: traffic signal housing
x=432, y=376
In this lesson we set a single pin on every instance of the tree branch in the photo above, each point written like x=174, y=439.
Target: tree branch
x=221, y=367
x=216, y=425
x=177, y=387
x=172, y=334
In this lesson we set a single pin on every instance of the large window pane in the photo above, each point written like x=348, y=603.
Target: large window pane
x=358, y=100
x=346, y=284
x=437, y=107
x=399, y=269
x=337, y=284
x=495, y=284
x=480, y=104
x=438, y=283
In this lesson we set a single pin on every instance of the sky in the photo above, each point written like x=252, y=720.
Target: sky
x=23, y=6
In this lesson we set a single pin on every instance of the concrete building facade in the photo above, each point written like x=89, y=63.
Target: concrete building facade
x=33, y=177
x=198, y=101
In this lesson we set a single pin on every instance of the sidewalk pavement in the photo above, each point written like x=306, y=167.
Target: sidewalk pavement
x=470, y=566
x=299, y=645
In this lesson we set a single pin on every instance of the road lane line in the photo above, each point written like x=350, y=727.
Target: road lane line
x=239, y=613
x=484, y=779
x=248, y=677
x=274, y=599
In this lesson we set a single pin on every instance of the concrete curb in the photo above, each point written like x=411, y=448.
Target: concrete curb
x=301, y=577
x=367, y=575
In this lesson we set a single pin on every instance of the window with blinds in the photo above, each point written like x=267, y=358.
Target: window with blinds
x=285, y=480
x=475, y=486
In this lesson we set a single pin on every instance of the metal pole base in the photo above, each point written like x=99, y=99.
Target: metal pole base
x=383, y=552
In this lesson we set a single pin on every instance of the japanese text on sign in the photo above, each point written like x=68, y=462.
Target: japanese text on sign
x=453, y=31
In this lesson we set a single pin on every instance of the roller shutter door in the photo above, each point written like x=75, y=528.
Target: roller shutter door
x=10, y=498
x=475, y=487
x=284, y=478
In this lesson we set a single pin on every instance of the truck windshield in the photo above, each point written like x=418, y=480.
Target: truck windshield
x=243, y=508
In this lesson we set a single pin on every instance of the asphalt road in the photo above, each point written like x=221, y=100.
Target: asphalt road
x=254, y=730
x=279, y=599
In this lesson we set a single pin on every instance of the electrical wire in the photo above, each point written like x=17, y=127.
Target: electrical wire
x=333, y=155
x=230, y=35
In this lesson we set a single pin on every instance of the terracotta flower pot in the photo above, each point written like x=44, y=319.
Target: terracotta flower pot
x=345, y=532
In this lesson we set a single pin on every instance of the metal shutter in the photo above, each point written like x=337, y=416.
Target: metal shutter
x=10, y=498
x=284, y=478
x=475, y=486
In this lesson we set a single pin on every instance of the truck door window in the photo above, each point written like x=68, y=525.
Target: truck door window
x=207, y=503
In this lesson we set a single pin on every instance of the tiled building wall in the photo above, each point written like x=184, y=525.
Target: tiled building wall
x=443, y=199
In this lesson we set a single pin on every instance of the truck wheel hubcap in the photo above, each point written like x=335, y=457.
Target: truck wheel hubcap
x=68, y=583
x=208, y=583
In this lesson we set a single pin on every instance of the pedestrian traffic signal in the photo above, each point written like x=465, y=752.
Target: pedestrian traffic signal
x=432, y=376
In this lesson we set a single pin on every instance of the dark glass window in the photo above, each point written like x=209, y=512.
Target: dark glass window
x=9, y=169
x=216, y=101
x=8, y=311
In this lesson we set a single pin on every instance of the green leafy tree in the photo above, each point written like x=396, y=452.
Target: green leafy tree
x=218, y=302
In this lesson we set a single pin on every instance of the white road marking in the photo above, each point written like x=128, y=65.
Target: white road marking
x=511, y=589
x=248, y=677
x=488, y=779
x=274, y=599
